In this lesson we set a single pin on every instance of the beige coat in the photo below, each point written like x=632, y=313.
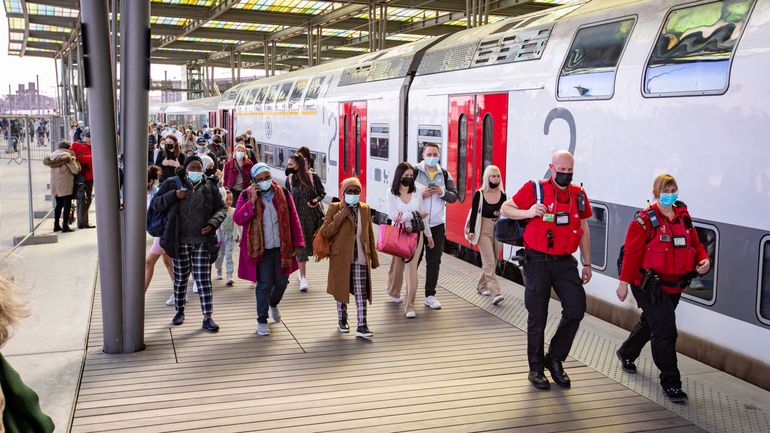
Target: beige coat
x=64, y=167
x=341, y=232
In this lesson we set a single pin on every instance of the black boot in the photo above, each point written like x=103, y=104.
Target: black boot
x=210, y=325
x=178, y=317
x=56, y=226
x=557, y=371
x=626, y=364
x=343, y=326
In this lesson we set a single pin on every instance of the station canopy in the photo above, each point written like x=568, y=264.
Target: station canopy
x=215, y=32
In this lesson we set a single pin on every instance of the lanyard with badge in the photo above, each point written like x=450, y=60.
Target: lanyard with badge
x=560, y=218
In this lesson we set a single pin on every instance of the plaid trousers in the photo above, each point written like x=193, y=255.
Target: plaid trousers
x=358, y=277
x=193, y=258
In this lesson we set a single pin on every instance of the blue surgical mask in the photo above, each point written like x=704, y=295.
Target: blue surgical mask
x=239, y=155
x=668, y=199
x=265, y=185
x=352, y=199
x=194, y=176
x=431, y=161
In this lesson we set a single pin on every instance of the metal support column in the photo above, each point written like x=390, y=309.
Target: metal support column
x=266, y=57
x=95, y=37
x=273, y=55
x=114, y=57
x=240, y=63
x=135, y=87
x=310, y=49
x=83, y=105
x=318, y=39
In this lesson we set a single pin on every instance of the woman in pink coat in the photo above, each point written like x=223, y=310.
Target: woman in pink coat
x=272, y=236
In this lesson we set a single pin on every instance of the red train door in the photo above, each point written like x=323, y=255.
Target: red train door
x=477, y=137
x=352, y=159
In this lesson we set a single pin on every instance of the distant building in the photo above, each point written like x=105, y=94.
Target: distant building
x=26, y=99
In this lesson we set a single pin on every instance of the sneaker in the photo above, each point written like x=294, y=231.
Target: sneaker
x=171, y=300
x=411, y=314
x=210, y=325
x=195, y=287
x=497, y=299
x=178, y=318
x=626, y=364
x=485, y=293
x=219, y=274
x=676, y=395
x=302, y=284
x=263, y=329
x=230, y=283
x=275, y=314
x=432, y=302
x=342, y=325
x=395, y=300
x=363, y=331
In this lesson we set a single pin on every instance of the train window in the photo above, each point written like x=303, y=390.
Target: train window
x=589, y=70
x=695, y=47
x=282, y=96
x=345, y=144
x=268, y=154
x=260, y=98
x=597, y=227
x=703, y=288
x=313, y=91
x=462, y=156
x=379, y=141
x=487, y=138
x=764, y=281
x=427, y=134
x=295, y=100
x=270, y=99
x=357, y=168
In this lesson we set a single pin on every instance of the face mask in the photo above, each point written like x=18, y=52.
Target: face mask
x=352, y=199
x=265, y=184
x=494, y=185
x=201, y=150
x=407, y=181
x=431, y=161
x=290, y=171
x=173, y=130
x=194, y=176
x=668, y=199
x=562, y=179
x=169, y=147
x=238, y=155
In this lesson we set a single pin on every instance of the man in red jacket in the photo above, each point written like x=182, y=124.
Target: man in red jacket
x=85, y=179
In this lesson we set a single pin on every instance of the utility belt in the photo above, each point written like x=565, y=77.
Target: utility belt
x=652, y=283
x=531, y=256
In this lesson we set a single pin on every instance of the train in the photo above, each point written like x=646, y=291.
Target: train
x=632, y=88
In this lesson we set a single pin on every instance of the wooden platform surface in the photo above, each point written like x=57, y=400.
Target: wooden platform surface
x=458, y=369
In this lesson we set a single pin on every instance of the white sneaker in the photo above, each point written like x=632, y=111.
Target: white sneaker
x=171, y=301
x=263, y=329
x=302, y=284
x=275, y=314
x=497, y=299
x=432, y=302
x=395, y=300
x=411, y=314
x=485, y=293
x=219, y=275
x=195, y=287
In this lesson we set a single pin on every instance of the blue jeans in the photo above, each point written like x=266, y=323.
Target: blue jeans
x=271, y=283
x=226, y=254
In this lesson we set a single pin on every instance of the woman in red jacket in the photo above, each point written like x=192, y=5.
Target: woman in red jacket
x=662, y=254
x=237, y=173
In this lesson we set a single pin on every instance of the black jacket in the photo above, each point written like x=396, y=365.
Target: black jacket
x=165, y=200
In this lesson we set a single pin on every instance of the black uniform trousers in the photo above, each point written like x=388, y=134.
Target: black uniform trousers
x=658, y=325
x=433, y=258
x=542, y=272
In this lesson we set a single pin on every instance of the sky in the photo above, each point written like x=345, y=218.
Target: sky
x=22, y=70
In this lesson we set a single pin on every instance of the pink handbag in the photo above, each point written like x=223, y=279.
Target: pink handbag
x=396, y=241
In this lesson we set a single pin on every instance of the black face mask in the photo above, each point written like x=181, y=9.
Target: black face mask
x=407, y=181
x=494, y=185
x=290, y=171
x=169, y=147
x=562, y=179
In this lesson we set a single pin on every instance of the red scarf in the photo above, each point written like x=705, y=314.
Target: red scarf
x=256, y=241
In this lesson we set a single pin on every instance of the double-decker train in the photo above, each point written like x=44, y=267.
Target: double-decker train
x=632, y=88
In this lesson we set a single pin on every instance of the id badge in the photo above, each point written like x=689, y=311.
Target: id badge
x=549, y=217
x=562, y=219
x=680, y=242
x=665, y=238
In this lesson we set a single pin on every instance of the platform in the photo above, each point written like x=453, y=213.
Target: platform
x=462, y=368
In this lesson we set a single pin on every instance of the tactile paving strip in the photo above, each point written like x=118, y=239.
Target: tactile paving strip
x=708, y=406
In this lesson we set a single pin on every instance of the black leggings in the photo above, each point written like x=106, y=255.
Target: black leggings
x=63, y=202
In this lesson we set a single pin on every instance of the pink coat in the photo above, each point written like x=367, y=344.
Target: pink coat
x=244, y=212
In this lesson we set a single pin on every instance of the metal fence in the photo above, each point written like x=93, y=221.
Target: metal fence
x=25, y=201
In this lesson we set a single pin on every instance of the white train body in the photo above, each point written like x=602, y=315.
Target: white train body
x=711, y=141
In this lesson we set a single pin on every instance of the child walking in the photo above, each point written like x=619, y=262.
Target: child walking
x=227, y=235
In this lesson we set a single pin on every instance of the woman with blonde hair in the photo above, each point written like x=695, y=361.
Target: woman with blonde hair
x=237, y=171
x=480, y=230
x=19, y=405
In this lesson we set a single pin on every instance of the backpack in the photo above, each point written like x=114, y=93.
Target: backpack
x=654, y=223
x=156, y=221
x=511, y=231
